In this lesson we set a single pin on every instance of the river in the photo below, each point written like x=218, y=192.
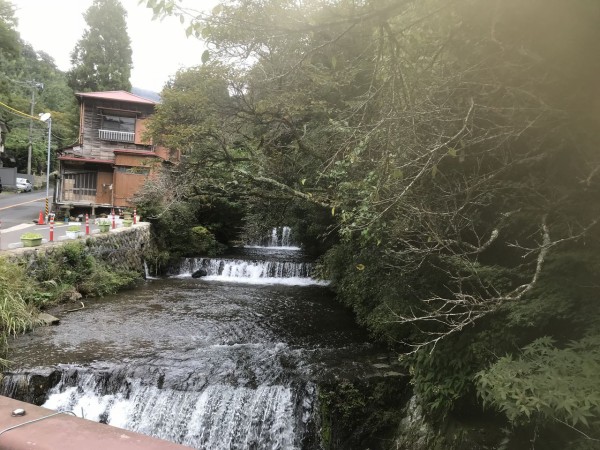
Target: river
x=230, y=360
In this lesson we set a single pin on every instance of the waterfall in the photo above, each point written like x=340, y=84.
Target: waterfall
x=274, y=238
x=251, y=271
x=218, y=417
x=280, y=238
x=286, y=237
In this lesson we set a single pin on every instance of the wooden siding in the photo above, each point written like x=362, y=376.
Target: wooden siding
x=140, y=129
x=125, y=187
x=105, y=185
x=92, y=145
x=135, y=160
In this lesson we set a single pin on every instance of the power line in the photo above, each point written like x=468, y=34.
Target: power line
x=17, y=112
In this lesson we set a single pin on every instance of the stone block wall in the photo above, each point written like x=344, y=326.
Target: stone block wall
x=122, y=248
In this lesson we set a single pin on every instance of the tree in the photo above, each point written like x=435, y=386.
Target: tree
x=102, y=57
x=454, y=145
x=9, y=38
x=20, y=66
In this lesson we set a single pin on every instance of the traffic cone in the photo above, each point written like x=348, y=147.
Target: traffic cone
x=41, y=219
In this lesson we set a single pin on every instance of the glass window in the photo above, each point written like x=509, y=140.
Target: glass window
x=116, y=123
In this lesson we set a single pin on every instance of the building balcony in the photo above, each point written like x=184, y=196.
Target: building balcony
x=117, y=136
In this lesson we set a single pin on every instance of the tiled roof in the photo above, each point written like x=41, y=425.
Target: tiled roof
x=121, y=96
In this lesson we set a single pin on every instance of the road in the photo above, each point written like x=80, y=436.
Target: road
x=19, y=213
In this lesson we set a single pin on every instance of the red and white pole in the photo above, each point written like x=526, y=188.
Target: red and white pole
x=87, y=225
x=51, y=229
x=114, y=224
x=134, y=216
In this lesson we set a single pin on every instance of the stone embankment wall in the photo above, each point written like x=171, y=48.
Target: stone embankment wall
x=122, y=248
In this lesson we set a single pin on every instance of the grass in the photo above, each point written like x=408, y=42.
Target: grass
x=16, y=314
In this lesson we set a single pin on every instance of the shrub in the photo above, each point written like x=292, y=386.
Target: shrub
x=16, y=315
x=31, y=236
x=203, y=241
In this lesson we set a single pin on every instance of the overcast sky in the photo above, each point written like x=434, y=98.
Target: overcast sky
x=159, y=48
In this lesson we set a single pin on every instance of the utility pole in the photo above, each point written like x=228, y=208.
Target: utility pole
x=34, y=85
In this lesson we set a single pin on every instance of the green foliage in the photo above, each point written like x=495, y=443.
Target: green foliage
x=23, y=71
x=203, y=242
x=31, y=236
x=359, y=414
x=9, y=38
x=102, y=57
x=447, y=145
x=546, y=382
x=16, y=315
x=71, y=267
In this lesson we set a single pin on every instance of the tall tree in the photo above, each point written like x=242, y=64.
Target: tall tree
x=22, y=69
x=9, y=38
x=102, y=57
x=454, y=145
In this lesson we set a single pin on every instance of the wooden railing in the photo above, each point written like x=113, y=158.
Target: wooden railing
x=120, y=136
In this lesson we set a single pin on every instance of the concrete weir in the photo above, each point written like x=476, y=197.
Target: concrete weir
x=44, y=429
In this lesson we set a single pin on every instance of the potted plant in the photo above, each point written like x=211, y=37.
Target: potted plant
x=31, y=239
x=127, y=222
x=73, y=231
x=104, y=225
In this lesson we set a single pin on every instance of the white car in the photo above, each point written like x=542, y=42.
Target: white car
x=23, y=185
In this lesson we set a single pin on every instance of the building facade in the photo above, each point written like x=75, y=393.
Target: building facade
x=113, y=158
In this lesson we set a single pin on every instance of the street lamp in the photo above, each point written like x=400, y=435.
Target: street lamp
x=45, y=117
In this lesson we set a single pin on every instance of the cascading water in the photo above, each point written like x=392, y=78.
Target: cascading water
x=212, y=365
x=280, y=238
x=251, y=271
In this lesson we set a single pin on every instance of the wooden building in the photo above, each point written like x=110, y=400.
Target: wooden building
x=113, y=158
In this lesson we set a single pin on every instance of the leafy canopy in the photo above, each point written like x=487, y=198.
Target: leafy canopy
x=102, y=58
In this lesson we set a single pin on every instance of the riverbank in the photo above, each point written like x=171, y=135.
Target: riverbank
x=36, y=278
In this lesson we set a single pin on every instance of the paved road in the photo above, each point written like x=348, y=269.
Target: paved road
x=19, y=213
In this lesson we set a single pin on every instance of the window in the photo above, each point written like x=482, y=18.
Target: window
x=116, y=123
x=117, y=128
x=133, y=170
x=79, y=186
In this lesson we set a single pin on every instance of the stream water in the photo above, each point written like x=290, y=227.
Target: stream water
x=228, y=361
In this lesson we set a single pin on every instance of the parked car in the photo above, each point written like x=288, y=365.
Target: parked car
x=23, y=185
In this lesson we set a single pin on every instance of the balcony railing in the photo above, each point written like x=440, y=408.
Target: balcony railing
x=119, y=136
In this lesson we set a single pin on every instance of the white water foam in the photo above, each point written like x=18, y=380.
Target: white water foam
x=220, y=417
x=286, y=248
x=292, y=281
x=252, y=272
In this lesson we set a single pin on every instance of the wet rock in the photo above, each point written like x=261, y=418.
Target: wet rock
x=48, y=320
x=199, y=273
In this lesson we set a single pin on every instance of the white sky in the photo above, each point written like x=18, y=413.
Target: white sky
x=159, y=48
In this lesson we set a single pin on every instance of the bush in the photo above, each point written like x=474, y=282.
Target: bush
x=203, y=242
x=547, y=382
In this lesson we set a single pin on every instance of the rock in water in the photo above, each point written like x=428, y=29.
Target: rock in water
x=199, y=273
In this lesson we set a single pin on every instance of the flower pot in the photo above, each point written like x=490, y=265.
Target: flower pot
x=31, y=242
x=127, y=222
x=73, y=234
x=104, y=227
